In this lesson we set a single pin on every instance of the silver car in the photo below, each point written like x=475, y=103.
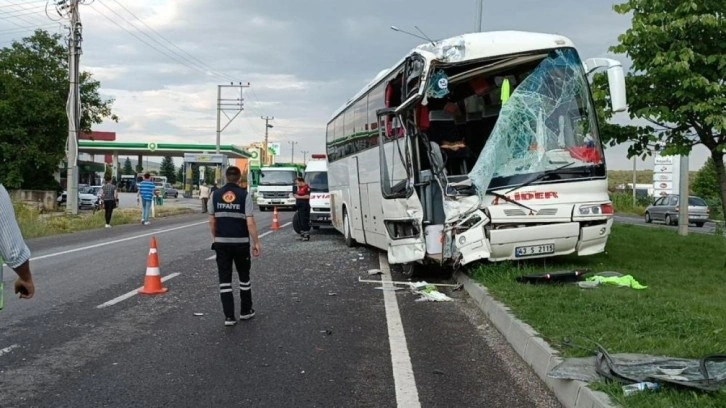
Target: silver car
x=665, y=209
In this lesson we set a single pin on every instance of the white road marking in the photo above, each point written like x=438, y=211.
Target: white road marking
x=102, y=244
x=264, y=234
x=133, y=292
x=403, y=378
x=8, y=349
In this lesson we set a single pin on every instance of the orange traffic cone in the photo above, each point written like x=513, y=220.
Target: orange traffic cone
x=275, y=220
x=152, y=281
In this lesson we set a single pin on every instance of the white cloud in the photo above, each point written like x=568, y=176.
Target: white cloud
x=302, y=59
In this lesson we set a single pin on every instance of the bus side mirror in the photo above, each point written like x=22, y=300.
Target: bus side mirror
x=616, y=80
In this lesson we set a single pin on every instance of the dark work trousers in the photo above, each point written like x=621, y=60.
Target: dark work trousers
x=204, y=204
x=303, y=208
x=108, y=206
x=239, y=255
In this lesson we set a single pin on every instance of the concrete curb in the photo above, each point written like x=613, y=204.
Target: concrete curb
x=533, y=349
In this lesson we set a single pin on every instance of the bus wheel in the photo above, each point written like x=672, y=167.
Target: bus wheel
x=408, y=270
x=349, y=242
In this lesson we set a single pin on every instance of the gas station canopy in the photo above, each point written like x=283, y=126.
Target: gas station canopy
x=158, y=149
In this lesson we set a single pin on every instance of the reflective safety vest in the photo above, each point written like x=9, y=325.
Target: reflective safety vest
x=229, y=212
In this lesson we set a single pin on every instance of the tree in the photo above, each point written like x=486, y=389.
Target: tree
x=676, y=82
x=33, y=94
x=139, y=168
x=180, y=173
x=128, y=170
x=706, y=185
x=168, y=169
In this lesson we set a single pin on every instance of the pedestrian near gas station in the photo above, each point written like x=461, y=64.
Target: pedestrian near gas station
x=204, y=195
x=146, y=193
x=110, y=199
x=234, y=239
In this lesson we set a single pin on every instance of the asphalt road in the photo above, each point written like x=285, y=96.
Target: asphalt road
x=320, y=337
x=708, y=228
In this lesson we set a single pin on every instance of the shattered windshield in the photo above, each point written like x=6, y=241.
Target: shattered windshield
x=547, y=122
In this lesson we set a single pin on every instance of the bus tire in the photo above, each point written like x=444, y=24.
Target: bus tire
x=349, y=241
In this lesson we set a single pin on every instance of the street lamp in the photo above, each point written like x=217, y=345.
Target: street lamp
x=292, y=143
x=305, y=155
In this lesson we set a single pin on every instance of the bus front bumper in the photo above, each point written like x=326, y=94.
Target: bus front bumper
x=542, y=241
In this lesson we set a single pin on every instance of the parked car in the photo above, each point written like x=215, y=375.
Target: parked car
x=63, y=197
x=169, y=190
x=666, y=209
x=90, y=197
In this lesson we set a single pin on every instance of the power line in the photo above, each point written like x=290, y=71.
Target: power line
x=202, y=63
x=171, y=56
x=179, y=58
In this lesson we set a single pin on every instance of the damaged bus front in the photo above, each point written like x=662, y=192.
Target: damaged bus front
x=488, y=149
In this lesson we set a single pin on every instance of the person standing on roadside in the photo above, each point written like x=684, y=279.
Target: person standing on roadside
x=109, y=196
x=13, y=250
x=233, y=229
x=302, y=203
x=146, y=193
x=204, y=195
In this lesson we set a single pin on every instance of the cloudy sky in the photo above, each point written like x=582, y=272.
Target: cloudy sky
x=161, y=60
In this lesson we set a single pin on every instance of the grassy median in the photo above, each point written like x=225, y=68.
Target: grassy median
x=35, y=225
x=680, y=314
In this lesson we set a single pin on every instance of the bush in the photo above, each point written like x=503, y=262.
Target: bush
x=623, y=203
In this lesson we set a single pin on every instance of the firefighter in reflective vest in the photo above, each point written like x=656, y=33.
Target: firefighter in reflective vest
x=233, y=230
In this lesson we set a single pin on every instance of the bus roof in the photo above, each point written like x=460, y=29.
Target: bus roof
x=471, y=46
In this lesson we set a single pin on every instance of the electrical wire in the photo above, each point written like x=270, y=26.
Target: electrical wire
x=200, y=62
x=161, y=51
x=175, y=55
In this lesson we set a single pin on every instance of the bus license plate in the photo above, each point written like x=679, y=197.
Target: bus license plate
x=533, y=250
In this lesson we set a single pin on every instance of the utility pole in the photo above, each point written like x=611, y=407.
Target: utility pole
x=268, y=126
x=683, y=197
x=292, y=143
x=235, y=105
x=68, y=9
x=305, y=155
x=480, y=11
x=635, y=177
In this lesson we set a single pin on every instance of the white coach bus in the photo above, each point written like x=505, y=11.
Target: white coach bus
x=482, y=146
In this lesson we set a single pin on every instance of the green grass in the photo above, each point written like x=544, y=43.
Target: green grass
x=680, y=314
x=623, y=204
x=33, y=225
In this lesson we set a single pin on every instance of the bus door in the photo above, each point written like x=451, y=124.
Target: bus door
x=402, y=210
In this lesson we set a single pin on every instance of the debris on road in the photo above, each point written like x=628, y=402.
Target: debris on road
x=707, y=374
x=553, y=277
x=429, y=292
x=374, y=272
x=627, y=281
x=449, y=285
x=198, y=314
